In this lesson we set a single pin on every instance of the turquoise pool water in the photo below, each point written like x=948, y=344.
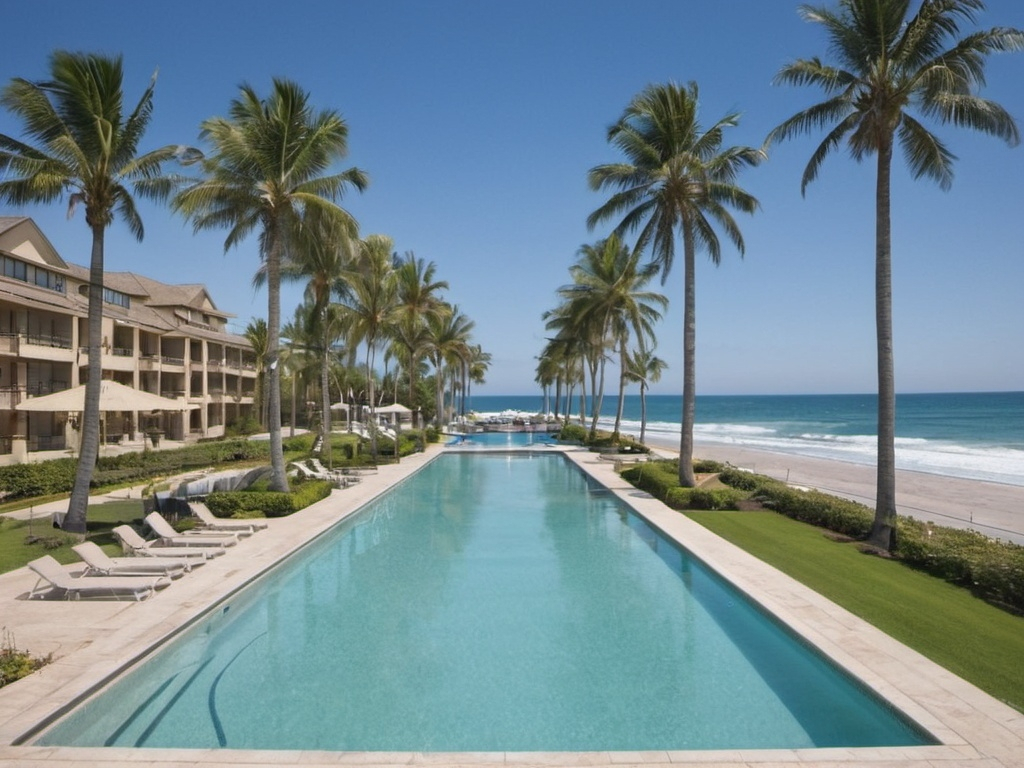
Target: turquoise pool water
x=501, y=439
x=489, y=602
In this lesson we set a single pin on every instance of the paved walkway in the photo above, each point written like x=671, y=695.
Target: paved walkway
x=94, y=641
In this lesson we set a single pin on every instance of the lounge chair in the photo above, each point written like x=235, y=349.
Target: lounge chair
x=320, y=472
x=53, y=576
x=171, y=538
x=132, y=542
x=99, y=563
x=211, y=522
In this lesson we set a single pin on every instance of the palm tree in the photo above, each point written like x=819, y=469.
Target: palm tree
x=609, y=283
x=677, y=177
x=371, y=304
x=256, y=333
x=644, y=368
x=84, y=145
x=474, y=371
x=267, y=167
x=418, y=299
x=448, y=339
x=321, y=253
x=888, y=65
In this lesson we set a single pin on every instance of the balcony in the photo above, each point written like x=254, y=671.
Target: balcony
x=9, y=397
x=8, y=344
x=175, y=361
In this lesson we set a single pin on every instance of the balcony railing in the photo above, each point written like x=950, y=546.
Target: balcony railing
x=46, y=340
x=9, y=397
x=8, y=343
x=122, y=352
x=168, y=360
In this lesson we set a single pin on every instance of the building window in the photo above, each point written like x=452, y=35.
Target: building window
x=111, y=296
x=30, y=273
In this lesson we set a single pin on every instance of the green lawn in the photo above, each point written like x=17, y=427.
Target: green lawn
x=971, y=638
x=102, y=518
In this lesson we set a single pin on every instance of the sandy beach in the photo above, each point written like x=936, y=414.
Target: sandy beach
x=994, y=509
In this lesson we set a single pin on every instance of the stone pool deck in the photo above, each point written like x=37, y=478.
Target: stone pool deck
x=94, y=640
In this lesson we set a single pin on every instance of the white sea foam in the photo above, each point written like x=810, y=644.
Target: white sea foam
x=978, y=462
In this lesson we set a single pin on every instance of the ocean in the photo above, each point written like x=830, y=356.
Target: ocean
x=975, y=435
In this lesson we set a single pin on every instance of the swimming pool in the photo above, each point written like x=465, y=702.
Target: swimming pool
x=501, y=440
x=487, y=603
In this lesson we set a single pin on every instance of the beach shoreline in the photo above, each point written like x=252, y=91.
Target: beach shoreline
x=993, y=509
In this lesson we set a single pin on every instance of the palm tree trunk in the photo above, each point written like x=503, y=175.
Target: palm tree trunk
x=278, y=477
x=643, y=412
x=439, y=392
x=74, y=521
x=622, y=388
x=686, y=477
x=883, y=530
x=372, y=428
x=325, y=397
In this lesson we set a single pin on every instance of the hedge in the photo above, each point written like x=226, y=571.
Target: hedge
x=243, y=504
x=57, y=476
x=993, y=570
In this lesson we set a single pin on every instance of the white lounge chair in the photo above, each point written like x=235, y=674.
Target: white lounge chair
x=132, y=542
x=53, y=576
x=211, y=522
x=171, y=538
x=339, y=477
x=99, y=563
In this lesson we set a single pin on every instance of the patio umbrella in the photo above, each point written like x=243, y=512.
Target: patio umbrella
x=113, y=397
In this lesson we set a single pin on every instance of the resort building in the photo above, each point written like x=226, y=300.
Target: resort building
x=168, y=340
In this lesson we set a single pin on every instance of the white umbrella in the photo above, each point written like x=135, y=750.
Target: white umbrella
x=393, y=408
x=113, y=397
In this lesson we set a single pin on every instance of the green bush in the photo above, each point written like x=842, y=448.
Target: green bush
x=56, y=476
x=572, y=433
x=737, y=478
x=271, y=503
x=655, y=477
x=718, y=498
x=994, y=570
x=707, y=467
x=678, y=497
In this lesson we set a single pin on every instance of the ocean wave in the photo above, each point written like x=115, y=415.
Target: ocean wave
x=980, y=462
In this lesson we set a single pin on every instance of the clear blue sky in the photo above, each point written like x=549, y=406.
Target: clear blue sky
x=477, y=123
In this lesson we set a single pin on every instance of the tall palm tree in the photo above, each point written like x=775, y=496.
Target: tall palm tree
x=256, y=334
x=676, y=178
x=644, y=368
x=474, y=369
x=448, y=340
x=609, y=282
x=418, y=299
x=267, y=167
x=321, y=252
x=888, y=65
x=371, y=304
x=82, y=143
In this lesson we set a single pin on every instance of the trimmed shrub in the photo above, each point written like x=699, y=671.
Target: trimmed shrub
x=655, y=477
x=572, y=433
x=718, y=498
x=994, y=570
x=707, y=467
x=271, y=503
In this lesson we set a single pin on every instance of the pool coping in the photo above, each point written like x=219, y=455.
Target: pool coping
x=102, y=638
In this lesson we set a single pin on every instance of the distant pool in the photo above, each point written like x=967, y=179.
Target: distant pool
x=488, y=603
x=499, y=439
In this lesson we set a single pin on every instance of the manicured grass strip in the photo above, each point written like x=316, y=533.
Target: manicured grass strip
x=967, y=636
x=101, y=520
